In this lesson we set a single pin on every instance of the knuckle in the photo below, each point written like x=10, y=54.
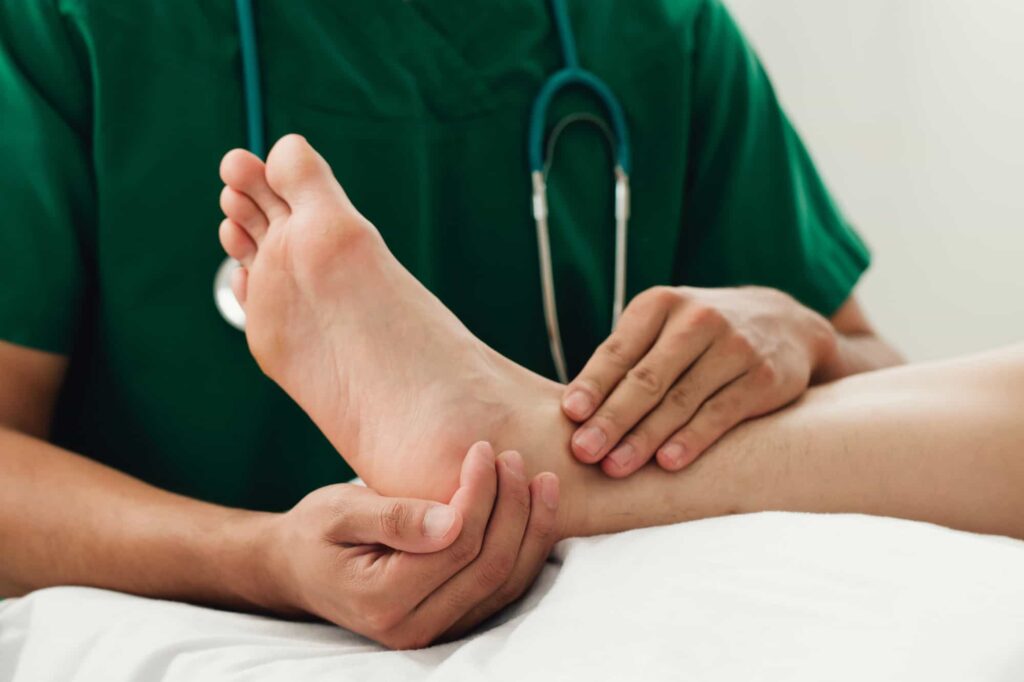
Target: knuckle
x=684, y=438
x=337, y=502
x=723, y=412
x=614, y=350
x=341, y=517
x=677, y=335
x=706, y=316
x=607, y=417
x=679, y=396
x=765, y=375
x=718, y=408
x=741, y=345
x=664, y=295
x=588, y=384
x=640, y=439
x=491, y=573
x=394, y=517
x=521, y=501
x=651, y=301
x=506, y=595
x=772, y=294
x=464, y=551
x=734, y=410
x=461, y=602
x=646, y=380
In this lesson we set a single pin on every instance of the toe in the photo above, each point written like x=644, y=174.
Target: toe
x=299, y=174
x=240, y=284
x=237, y=242
x=241, y=209
x=245, y=173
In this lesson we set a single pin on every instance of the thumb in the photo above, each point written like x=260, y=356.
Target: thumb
x=405, y=524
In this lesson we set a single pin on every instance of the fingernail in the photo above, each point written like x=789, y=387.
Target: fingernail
x=438, y=520
x=622, y=455
x=485, y=448
x=590, y=440
x=514, y=462
x=577, y=404
x=673, y=454
x=549, y=491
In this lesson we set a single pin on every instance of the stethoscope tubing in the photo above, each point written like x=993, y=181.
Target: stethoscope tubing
x=573, y=75
x=252, y=94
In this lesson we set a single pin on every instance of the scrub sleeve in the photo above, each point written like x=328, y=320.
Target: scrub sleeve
x=757, y=210
x=47, y=207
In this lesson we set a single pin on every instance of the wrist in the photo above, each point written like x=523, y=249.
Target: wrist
x=250, y=562
x=824, y=349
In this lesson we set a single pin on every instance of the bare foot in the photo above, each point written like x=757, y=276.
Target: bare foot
x=394, y=380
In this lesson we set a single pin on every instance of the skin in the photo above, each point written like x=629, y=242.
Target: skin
x=893, y=442
x=896, y=442
x=686, y=365
x=406, y=595
x=344, y=553
x=290, y=224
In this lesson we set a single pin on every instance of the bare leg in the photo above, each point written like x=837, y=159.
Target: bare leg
x=942, y=443
x=402, y=389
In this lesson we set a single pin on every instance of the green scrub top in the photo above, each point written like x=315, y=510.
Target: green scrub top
x=114, y=115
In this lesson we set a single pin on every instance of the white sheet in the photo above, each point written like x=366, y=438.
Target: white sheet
x=759, y=597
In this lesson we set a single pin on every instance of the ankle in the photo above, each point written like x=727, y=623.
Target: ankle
x=539, y=429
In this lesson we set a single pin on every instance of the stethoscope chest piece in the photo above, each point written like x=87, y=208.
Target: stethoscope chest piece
x=228, y=306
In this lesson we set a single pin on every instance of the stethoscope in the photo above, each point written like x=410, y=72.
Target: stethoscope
x=540, y=157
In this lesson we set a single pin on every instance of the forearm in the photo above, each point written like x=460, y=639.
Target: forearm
x=65, y=519
x=940, y=443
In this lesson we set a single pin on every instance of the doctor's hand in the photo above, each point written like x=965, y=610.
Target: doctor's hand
x=407, y=572
x=684, y=366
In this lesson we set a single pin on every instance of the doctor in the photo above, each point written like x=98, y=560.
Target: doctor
x=115, y=115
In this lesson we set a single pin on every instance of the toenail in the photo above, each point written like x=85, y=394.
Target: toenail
x=673, y=455
x=622, y=456
x=578, y=404
x=590, y=440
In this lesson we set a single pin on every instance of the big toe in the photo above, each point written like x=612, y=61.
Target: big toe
x=298, y=173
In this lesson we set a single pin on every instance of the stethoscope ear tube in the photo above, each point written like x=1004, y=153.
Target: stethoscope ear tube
x=547, y=276
x=622, y=195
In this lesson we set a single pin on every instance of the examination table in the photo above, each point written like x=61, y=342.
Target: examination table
x=755, y=597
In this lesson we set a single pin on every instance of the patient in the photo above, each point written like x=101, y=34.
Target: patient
x=402, y=389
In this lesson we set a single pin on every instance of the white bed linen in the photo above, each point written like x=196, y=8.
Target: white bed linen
x=757, y=597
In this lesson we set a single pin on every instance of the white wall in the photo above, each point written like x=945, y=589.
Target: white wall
x=914, y=111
